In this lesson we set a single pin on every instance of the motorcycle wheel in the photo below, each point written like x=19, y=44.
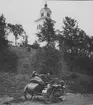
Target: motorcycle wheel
x=48, y=98
x=28, y=96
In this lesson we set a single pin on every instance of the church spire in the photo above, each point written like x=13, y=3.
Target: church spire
x=46, y=4
x=45, y=12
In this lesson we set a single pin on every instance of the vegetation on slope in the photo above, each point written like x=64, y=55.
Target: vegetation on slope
x=74, y=55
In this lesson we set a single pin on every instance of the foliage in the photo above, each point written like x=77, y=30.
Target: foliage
x=52, y=60
x=76, y=47
x=47, y=60
x=35, y=45
x=70, y=32
x=90, y=44
x=25, y=41
x=74, y=75
x=3, y=40
x=38, y=60
x=75, y=39
x=47, y=32
x=17, y=30
x=8, y=61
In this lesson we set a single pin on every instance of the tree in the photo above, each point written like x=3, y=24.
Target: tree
x=82, y=42
x=51, y=60
x=35, y=45
x=46, y=60
x=47, y=32
x=70, y=32
x=3, y=39
x=76, y=40
x=90, y=45
x=25, y=40
x=77, y=43
x=17, y=30
x=50, y=56
x=8, y=60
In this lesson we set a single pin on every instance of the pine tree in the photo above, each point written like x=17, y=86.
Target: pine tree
x=3, y=40
x=76, y=39
x=47, y=32
x=70, y=31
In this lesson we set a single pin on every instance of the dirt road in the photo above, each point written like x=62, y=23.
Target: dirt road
x=71, y=99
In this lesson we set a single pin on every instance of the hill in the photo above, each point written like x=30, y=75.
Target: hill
x=24, y=58
x=12, y=84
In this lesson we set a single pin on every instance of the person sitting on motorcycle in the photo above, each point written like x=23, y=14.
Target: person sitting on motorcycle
x=34, y=73
x=36, y=78
x=48, y=77
x=63, y=85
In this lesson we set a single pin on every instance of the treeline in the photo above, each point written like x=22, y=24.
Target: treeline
x=75, y=39
x=74, y=51
x=75, y=48
x=78, y=47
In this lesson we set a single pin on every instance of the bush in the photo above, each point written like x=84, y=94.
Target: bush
x=8, y=61
x=74, y=76
x=47, y=60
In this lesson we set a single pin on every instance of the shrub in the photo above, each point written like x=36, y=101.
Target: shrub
x=8, y=61
x=74, y=76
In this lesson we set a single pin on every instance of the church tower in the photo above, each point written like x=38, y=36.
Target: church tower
x=44, y=13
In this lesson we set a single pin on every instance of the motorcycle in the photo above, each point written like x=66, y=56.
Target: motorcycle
x=54, y=91
x=33, y=89
x=47, y=90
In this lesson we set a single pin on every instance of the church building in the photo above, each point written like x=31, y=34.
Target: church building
x=44, y=13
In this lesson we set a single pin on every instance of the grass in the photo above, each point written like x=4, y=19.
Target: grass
x=12, y=85
x=80, y=83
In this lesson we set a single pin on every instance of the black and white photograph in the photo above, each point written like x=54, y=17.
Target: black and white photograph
x=46, y=52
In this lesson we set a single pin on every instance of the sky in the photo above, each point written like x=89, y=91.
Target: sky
x=25, y=12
